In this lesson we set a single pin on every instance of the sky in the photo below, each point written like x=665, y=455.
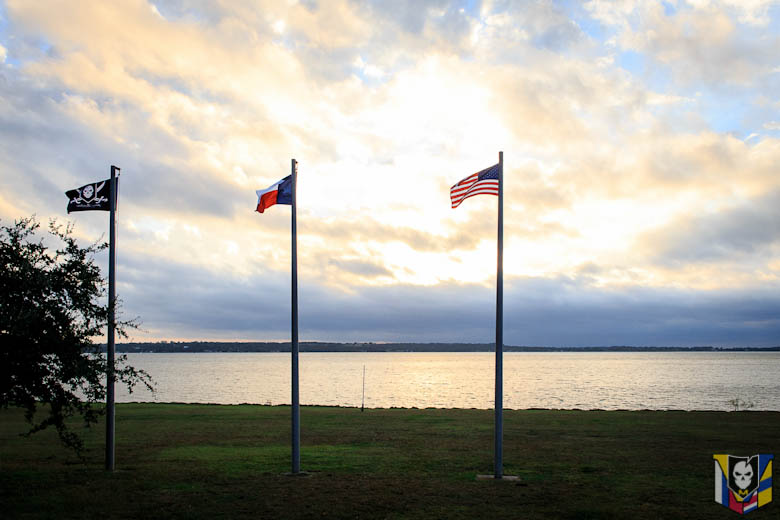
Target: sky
x=641, y=145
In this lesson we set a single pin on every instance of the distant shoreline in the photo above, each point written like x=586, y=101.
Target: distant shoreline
x=315, y=346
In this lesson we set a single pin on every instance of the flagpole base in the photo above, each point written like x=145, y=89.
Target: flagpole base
x=505, y=478
x=299, y=474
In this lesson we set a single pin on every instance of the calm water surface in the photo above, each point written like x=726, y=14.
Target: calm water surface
x=653, y=380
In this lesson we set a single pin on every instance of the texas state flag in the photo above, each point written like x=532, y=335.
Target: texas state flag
x=277, y=193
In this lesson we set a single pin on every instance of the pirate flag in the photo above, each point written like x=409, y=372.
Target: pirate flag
x=93, y=196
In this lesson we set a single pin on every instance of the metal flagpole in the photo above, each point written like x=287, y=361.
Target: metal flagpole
x=296, y=423
x=499, y=402
x=110, y=351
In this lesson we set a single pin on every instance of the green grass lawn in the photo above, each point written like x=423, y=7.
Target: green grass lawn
x=209, y=461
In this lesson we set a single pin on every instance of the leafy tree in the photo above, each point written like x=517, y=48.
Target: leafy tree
x=50, y=310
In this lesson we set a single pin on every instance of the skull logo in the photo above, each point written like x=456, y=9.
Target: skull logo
x=743, y=474
x=88, y=191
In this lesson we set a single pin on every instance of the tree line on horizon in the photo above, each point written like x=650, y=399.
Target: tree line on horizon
x=318, y=346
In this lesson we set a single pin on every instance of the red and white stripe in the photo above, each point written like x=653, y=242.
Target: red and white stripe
x=267, y=197
x=471, y=186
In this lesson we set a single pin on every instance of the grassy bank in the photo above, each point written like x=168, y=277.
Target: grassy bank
x=208, y=461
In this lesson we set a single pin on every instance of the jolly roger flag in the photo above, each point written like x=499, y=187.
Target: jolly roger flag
x=93, y=196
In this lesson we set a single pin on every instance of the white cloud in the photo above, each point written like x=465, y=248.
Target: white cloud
x=613, y=12
x=751, y=12
x=698, y=40
x=200, y=108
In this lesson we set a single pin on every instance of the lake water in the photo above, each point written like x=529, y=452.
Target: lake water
x=565, y=380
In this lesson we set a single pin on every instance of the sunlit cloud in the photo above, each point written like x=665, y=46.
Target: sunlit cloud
x=640, y=144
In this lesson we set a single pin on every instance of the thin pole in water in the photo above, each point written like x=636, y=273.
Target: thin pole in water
x=363, y=401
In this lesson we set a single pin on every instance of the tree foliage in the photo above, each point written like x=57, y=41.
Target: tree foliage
x=52, y=306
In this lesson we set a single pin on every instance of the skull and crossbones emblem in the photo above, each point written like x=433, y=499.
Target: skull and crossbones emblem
x=743, y=476
x=88, y=191
x=88, y=194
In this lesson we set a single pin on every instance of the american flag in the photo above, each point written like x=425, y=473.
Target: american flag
x=484, y=182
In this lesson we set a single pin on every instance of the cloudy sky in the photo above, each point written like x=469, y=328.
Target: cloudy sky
x=641, y=145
